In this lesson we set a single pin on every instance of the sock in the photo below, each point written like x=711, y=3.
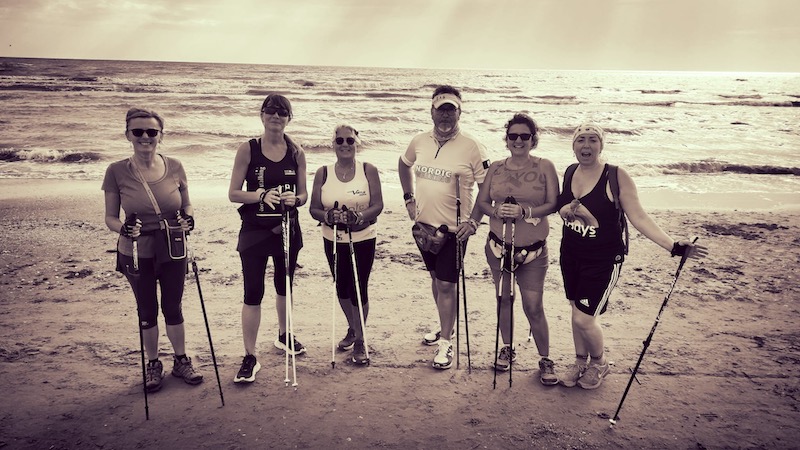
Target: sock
x=180, y=357
x=153, y=361
x=581, y=360
x=598, y=360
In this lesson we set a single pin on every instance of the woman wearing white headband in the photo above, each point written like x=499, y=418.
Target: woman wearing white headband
x=593, y=249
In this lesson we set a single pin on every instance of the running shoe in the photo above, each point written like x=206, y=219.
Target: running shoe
x=507, y=356
x=347, y=342
x=433, y=338
x=183, y=369
x=444, y=355
x=547, y=373
x=360, y=352
x=283, y=344
x=247, y=373
x=593, y=377
x=572, y=375
x=154, y=375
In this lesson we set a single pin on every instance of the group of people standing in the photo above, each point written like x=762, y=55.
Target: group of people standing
x=438, y=173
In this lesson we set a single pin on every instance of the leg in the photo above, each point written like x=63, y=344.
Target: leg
x=251, y=321
x=534, y=311
x=446, y=305
x=151, y=342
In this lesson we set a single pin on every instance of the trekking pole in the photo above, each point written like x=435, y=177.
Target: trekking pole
x=511, y=290
x=288, y=301
x=190, y=255
x=358, y=288
x=463, y=289
x=647, y=341
x=139, y=325
x=335, y=298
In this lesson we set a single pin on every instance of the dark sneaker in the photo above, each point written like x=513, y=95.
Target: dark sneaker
x=285, y=345
x=247, y=373
x=593, y=377
x=444, y=355
x=547, y=373
x=360, y=352
x=506, y=357
x=433, y=338
x=154, y=375
x=572, y=374
x=347, y=342
x=184, y=369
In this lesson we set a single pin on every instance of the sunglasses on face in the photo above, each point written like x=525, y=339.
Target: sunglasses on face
x=138, y=132
x=270, y=110
x=340, y=141
x=514, y=136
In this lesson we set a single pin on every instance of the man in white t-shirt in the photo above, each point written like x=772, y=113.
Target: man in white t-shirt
x=436, y=165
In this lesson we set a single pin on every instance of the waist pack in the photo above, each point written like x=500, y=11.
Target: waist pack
x=176, y=239
x=522, y=255
x=429, y=238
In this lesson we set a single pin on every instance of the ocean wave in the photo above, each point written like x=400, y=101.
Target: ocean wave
x=48, y=156
x=720, y=167
x=656, y=91
x=47, y=87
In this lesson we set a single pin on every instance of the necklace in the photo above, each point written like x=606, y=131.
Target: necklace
x=346, y=171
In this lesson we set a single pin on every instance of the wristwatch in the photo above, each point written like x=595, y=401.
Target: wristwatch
x=408, y=197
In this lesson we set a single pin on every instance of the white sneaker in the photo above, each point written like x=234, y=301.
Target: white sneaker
x=444, y=355
x=433, y=338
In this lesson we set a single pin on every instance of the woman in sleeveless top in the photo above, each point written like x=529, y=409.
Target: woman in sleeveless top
x=592, y=249
x=273, y=171
x=348, y=194
x=533, y=183
x=154, y=266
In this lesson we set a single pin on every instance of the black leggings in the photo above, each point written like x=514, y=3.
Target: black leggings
x=170, y=276
x=365, y=256
x=254, y=268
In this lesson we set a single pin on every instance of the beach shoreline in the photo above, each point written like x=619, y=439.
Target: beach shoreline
x=722, y=370
x=213, y=190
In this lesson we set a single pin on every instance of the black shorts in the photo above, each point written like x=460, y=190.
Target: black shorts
x=444, y=263
x=589, y=281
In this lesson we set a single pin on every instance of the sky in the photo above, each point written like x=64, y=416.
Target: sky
x=683, y=35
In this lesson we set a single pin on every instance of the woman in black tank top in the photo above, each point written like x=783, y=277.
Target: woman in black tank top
x=272, y=171
x=592, y=249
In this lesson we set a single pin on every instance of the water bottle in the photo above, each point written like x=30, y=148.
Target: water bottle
x=440, y=232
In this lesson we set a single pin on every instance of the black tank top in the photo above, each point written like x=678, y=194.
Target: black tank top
x=268, y=174
x=596, y=233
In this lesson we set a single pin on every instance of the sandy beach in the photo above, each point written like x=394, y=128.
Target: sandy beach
x=722, y=370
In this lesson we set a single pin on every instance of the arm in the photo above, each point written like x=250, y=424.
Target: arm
x=375, y=194
x=406, y=183
x=484, y=202
x=551, y=194
x=315, y=208
x=301, y=196
x=112, y=202
x=238, y=174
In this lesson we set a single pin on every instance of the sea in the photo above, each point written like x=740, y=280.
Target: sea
x=703, y=136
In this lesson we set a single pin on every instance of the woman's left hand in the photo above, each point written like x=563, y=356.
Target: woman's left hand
x=689, y=247
x=288, y=198
x=186, y=222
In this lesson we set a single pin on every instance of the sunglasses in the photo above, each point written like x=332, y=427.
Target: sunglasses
x=514, y=136
x=340, y=141
x=138, y=132
x=270, y=110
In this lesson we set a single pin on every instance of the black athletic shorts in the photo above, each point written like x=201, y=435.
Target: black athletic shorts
x=589, y=281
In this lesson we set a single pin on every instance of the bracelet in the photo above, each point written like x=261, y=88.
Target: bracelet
x=475, y=224
x=261, y=197
x=410, y=200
